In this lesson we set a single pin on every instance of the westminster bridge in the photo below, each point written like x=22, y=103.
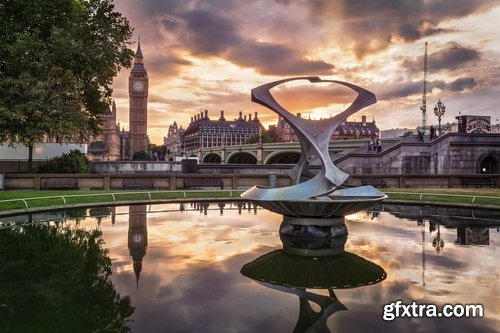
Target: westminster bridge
x=272, y=153
x=452, y=153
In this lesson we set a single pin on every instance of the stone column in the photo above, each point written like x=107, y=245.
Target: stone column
x=260, y=154
x=223, y=156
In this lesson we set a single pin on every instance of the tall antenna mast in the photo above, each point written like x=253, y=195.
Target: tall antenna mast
x=424, y=101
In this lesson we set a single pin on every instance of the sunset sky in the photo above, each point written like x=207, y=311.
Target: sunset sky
x=209, y=55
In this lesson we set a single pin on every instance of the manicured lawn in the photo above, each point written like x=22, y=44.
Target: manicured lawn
x=480, y=196
x=10, y=200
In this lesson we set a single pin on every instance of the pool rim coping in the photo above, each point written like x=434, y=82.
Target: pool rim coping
x=21, y=211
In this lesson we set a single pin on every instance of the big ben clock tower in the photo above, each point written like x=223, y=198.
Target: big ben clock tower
x=138, y=109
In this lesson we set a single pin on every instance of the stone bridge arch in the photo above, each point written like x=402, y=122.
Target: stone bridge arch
x=212, y=158
x=241, y=157
x=283, y=157
x=488, y=163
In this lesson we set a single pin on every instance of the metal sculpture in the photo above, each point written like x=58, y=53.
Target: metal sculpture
x=314, y=195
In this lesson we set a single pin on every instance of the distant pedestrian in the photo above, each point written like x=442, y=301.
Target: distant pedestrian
x=432, y=131
x=420, y=136
x=378, y=144
x=371, y=145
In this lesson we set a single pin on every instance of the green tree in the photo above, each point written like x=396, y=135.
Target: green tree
x=266, y=138
x=74, y=162
x=58, y=59
x=157, y=151
x=140, y=156
x=57, y=279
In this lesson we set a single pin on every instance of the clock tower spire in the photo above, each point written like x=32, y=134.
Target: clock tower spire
x=138, y=107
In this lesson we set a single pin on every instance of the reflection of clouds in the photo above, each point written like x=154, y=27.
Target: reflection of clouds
x=453, y=276
x=191, y=282
x=209, y=298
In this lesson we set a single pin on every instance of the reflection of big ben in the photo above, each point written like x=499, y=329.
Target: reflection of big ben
x=137, y=237
x=138, y=107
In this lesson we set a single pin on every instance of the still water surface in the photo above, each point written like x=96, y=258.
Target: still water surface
x=177, y=268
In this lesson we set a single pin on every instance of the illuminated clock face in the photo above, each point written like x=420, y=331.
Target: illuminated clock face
x=138, y=85
x=137, y=238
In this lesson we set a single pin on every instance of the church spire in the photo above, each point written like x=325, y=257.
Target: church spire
x=138, y=53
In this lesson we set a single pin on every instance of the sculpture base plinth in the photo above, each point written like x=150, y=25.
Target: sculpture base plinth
x=315, y=221
x=313, y=228
x=313, y=236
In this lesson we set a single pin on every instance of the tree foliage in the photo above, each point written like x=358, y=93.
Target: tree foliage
x=57, y=279
x=74, y=162
x=140, y=155
x=58, y=59
x=266, y=138
x=157, y=151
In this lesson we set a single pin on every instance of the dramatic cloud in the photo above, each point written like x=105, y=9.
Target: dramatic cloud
x=451, y=58
x=372, y=26
x=462, y=84
x=272, y=59
x=210, y=34
x=207, y=33
x=209, y=54
x=396, y=90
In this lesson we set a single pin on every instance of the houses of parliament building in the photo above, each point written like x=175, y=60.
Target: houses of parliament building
x=115, y=144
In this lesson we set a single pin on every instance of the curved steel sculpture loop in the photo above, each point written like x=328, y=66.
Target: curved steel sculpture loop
x=314, y=137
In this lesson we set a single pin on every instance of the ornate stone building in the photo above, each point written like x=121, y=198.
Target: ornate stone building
x=106, y=146
x=173, y=140
x=346, y=130
x=203, y=132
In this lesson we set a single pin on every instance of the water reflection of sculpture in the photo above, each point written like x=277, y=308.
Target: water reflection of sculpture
x=314, y=202
x=305, y=264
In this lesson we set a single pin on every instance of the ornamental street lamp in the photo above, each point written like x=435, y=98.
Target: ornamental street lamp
x=439, y=111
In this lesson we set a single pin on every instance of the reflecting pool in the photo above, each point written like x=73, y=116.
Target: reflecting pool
x=221, y=267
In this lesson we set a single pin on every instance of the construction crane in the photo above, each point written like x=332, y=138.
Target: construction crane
x=423, y=108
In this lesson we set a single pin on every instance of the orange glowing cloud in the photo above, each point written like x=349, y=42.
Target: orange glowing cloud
x=210, y=54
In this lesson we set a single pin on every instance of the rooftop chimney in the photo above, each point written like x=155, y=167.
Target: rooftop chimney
x=206, y=114
x=249, y=117
x=241, y=116
x=299, y=115
x=255, y=118
x=363, y=120
x=222, y=115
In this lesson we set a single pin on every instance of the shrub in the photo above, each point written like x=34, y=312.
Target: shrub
x=74, y=162
x=140, y=156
